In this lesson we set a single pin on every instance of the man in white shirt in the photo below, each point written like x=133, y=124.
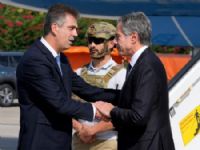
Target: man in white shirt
x=103, y=72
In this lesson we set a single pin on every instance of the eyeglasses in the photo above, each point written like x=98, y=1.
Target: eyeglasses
x=98, y=40
x=95, y=40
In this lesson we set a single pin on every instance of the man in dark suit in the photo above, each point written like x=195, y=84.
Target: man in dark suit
x=45, y=82
x=141, y=116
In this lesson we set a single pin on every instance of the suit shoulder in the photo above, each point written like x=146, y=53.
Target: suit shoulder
x=151, y=59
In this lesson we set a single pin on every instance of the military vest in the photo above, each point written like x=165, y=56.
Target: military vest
x=99, y=80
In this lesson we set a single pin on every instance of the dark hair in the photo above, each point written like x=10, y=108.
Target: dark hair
x=57, y=14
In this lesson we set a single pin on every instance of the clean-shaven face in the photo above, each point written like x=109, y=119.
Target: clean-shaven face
x=123, y=41
x=67, y=32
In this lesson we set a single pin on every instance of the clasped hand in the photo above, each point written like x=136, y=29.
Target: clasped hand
x=103, y=110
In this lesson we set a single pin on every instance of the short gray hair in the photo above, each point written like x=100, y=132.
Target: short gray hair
x=137, y=22
x=57, y=14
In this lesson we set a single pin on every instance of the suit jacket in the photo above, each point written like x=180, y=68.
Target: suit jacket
x=142, y=117
x=46, y=107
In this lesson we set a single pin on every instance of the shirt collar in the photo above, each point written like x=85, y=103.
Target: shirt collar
x=104, y=67
x=135, y=56
x=49, y=47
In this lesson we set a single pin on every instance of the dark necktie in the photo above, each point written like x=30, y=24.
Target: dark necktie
x=128, y=70
x=58, y=62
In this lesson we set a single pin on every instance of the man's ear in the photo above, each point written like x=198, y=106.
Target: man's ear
x=54, y=28
x=134, y=37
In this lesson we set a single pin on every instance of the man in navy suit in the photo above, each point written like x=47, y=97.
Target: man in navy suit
x=141, y=116
x=45, y=82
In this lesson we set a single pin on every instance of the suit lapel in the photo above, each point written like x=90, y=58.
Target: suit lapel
x=140, y=59
x=65, y=70
x=134, y=68
x=49, y=56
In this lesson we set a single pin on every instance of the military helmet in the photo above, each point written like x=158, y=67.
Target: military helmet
x=103, y=30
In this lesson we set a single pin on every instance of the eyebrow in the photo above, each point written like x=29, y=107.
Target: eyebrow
x=73, y=26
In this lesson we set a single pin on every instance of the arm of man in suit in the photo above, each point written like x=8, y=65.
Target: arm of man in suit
x=92, y=93
x=48, y=92
x=138, y=110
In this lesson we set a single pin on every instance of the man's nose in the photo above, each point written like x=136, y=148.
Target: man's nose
x=93, y=44
x=75, y=32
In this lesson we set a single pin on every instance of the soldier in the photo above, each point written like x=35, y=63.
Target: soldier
x=103, y=72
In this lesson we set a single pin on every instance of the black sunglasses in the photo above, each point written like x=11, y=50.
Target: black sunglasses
x=95, y=40
x=98, y=40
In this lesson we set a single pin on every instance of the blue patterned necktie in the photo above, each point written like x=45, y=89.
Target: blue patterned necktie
x=58, y=62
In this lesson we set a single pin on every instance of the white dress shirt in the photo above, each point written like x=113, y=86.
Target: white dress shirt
x=49, y=47
x=135, y=56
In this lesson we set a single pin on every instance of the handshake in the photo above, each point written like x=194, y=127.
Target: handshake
x=103, y=110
